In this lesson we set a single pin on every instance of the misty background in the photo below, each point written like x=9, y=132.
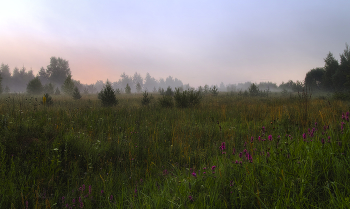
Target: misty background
x=230, y=44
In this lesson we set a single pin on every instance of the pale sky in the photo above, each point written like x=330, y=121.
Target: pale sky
x=197, y=41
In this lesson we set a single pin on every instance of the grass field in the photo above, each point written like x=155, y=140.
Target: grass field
x=229, y=152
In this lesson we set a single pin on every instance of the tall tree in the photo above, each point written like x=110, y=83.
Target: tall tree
x=6, y=75
x=137, y=78
x=43, y=76
x=68, y=85
x=58, y=70
x=313, y=78
x=150, y=82
x=331, y=66
x=341, y=78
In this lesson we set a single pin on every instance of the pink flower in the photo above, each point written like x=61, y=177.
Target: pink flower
x=194, y=174
x=222, y=147
x=304, y=135
x=213, y=167
x=270, y=137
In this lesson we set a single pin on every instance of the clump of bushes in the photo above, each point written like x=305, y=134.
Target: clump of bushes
x=188, y=98
x=166, y=101
x=76, y=93
x=146, y=100
x=107, y=96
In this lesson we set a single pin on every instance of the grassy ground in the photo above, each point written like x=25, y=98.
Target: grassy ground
x=229, y=152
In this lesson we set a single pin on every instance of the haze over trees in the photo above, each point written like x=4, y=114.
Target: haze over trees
x=57, y=76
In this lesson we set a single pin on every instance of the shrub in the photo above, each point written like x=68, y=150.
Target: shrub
x=127, y=89
x=187, y=98
x=343, y=96
x=169, y=92
x=76, y=93
x=161, y=91
x=48, y=100
x=138, y=88
x=34, y=86
x=146, y=100
x=68, y=86
x=214, y=91
x=107, y=96
x=254, y=90
x=166, y=101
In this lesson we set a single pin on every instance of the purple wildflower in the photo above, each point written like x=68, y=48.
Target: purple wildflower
x=81, y=203
x=270, y=137
x=304, y=135
x=213, y=167
x=190, y=198
x=194, y=174
x=251, y=139
x=222, y=147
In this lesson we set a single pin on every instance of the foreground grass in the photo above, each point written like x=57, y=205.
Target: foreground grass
x=230, y=152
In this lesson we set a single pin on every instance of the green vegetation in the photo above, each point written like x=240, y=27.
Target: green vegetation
x=107, y=96
x=230, y=151
x=35, y=87
x=76, y=93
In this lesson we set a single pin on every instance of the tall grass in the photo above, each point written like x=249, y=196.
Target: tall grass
x=229, y=152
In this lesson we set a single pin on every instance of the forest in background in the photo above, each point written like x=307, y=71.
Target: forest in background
x=334, y=76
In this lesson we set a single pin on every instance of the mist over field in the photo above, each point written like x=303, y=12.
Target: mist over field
x=197, y=43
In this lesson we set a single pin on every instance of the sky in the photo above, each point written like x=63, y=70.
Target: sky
x=199, y=42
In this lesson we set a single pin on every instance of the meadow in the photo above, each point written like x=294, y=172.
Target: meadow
x=230, y=151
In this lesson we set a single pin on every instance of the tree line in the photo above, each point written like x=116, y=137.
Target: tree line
x=334, y=76
x=57, y=77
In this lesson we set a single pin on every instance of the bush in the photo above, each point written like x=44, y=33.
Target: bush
x=188, y=98
x=68, y=86
x=214, y=91
x=254, y=90
x=146, y=100
x=169, y=92
x=48, y=100
x=76, y=93
x=343, y=96
x=161, y=91
x=107, y=96
x=127, y=89
x=34, y=86
x=166, y=101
